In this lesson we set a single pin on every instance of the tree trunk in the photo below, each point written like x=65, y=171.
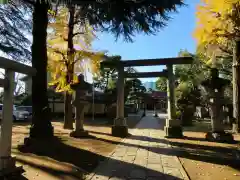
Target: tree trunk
x=41, y=124
x=68, y=114
x=236, y=87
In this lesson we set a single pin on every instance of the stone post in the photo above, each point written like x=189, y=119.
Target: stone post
x=236, y=86
x=216, y=85
x=155, y=109
x=79, y=103
x=218, y=134
x=217, y=115
x=173, y=126
x=7, y=163
x=120, y=128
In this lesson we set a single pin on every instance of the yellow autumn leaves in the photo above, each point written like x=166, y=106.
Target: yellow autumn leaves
x=218, y=23
x=62, y=64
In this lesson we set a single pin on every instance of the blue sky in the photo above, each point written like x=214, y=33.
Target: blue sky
x=168, y=42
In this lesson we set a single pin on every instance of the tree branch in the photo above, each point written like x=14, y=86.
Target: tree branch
x=78, y=33
x=225, y=50
x=59, y=52
x=63, y=56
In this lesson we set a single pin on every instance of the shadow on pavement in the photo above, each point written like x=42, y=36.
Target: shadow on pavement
x=204, y=153
x=61, y=174
x=135, y=137
x=87, y=161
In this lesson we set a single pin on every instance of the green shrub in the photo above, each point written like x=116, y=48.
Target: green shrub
x=178, y=114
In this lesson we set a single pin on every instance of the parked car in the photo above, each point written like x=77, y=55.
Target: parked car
x=24, y=112
x=18, y=114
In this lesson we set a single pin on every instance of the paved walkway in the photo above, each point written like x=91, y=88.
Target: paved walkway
x=144, y=155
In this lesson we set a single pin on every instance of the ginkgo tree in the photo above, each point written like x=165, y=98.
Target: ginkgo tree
x=218, y=29
x=69, y=48
x=218, y=24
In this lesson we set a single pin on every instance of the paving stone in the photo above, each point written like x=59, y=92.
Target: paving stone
x=129, y=159
x=165, y=156
x=154, y=159
x=175, y=172
x=148, y=159
x=144, y=144
x=120, y=152
x=161, y=145
x=131, y=151
x=170, y=162
x=155, y=167
x=142, y=151
x=139, y=157
x=143, y=154
x=140, y=162
x=153, y=144
x=117, y=158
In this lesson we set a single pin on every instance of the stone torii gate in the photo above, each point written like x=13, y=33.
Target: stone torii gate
x=7, y=162
x=173, y=126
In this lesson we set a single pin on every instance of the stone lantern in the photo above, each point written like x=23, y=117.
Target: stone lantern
x=80, y=89
x=215, y=87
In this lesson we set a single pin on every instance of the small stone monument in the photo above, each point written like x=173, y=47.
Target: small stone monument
x=215, y=87
x=79, y=102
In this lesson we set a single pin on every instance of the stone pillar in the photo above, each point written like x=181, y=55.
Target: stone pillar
x=155, y=110
x=79, y=104
x=173, y=126
x=7, y=163
x=218, y=134
x=120, y=128
x=144, y=108
x=217, y=114
x=236, y=86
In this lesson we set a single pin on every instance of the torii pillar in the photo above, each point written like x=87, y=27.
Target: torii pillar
x=120, y=128
x=173, y=128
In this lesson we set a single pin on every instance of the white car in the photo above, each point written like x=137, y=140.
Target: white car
x=24, y=112
x=18, y=115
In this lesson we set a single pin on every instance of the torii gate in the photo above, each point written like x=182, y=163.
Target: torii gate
x=7, y=162
x=173, y=126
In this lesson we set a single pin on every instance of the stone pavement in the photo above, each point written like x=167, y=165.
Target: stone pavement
x=144, y=155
